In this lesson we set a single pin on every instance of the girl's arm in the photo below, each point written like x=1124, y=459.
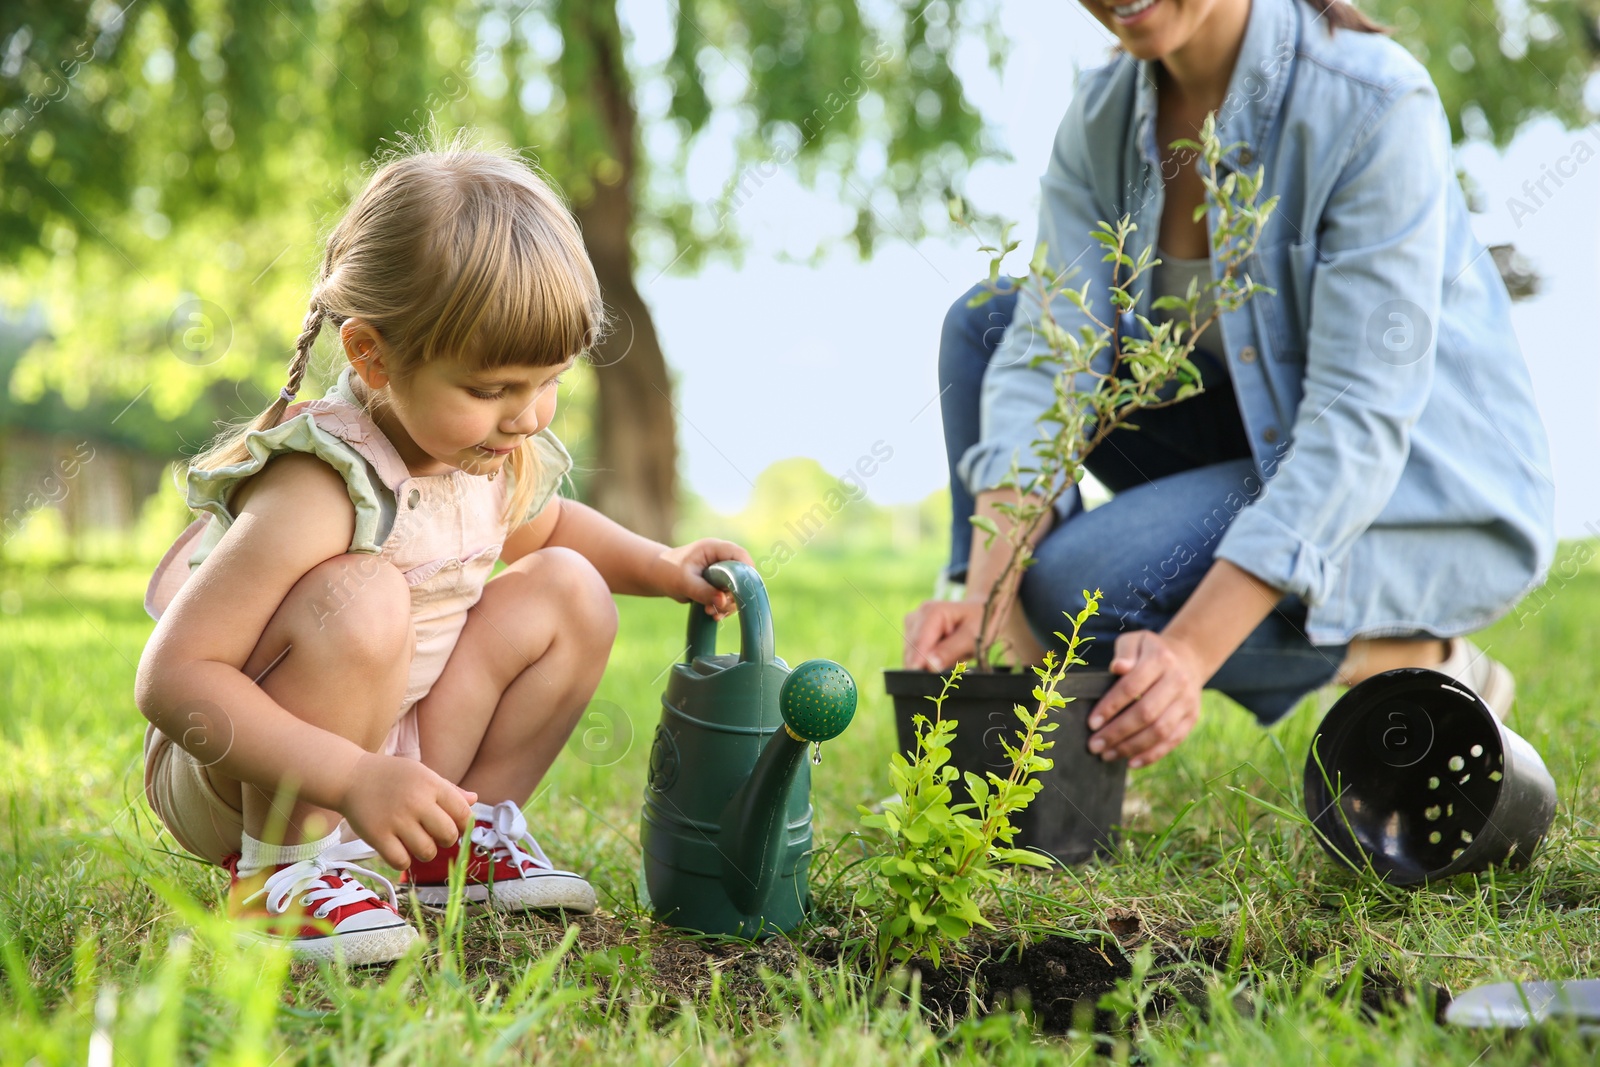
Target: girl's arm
x=190, y=682
x=192, y=686
x=631, y=565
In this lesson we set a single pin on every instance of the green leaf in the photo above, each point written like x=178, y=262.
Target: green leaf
x=1023, y=857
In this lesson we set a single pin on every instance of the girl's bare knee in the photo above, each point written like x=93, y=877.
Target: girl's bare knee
x=572, y=582
x=357, y=604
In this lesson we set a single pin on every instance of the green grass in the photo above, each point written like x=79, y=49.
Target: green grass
x=111, y=947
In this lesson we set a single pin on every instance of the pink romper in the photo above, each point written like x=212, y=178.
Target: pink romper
x=443, y=532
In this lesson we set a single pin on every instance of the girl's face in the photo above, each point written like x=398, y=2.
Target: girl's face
x=451, y=415
x=473, y=419
x=1154, y=29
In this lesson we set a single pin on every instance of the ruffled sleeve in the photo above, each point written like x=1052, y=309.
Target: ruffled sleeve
x=210, y=490
x=554, y=465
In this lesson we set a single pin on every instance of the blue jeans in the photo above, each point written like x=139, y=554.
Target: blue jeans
x=1177, y=482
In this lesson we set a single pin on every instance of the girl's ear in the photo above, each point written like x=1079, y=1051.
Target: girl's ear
x=364, y=349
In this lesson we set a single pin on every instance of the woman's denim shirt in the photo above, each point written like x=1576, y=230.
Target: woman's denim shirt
x=1404, y=477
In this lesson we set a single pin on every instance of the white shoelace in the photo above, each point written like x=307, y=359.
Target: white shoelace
x=308, y=874
x=506, y=833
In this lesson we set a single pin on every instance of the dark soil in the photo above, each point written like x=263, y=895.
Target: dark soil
x=1055, y=980
x=1058, y=981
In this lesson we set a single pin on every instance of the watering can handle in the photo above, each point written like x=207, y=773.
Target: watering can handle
x=755, y=617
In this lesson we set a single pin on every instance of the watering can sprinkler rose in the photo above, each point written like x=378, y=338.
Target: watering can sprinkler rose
x=726, y=825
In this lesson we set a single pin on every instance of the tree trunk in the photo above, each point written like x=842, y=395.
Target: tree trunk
x=636, y=483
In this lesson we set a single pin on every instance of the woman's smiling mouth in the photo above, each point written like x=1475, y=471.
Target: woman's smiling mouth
x=1128, y=14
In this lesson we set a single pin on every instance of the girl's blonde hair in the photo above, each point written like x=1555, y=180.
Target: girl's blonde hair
x=452, y=251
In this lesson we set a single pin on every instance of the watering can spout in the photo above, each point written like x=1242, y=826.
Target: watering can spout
x=818, y=700
x=755, y=822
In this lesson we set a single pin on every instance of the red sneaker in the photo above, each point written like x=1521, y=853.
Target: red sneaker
x=320, y=910
x=506, y=871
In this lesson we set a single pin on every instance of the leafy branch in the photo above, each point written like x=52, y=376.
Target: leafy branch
x=923, y=889
x=1103, y=375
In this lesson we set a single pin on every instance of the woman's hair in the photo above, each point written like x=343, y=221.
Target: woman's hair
x=1342, y=15
x=452, y=251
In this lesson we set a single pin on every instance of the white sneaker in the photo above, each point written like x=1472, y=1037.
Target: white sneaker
x=506, y=869
x=319, y=910
x=1484, y=675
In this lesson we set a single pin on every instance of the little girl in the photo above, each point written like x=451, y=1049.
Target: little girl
x=328, y=646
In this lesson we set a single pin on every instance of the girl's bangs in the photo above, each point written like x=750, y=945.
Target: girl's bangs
x=519, y=298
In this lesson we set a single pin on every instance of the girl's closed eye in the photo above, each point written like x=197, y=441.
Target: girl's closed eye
x=481, y=395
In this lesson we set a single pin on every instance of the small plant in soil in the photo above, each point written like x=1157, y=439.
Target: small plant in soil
x=1103, y=376
x=923, y=887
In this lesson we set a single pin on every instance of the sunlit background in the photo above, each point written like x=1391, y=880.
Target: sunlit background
x=785, y=344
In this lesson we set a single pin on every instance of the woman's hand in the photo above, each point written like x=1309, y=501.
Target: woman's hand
x=683, y=574
x=940, y=632
x=1154, y=705
x=404, y=809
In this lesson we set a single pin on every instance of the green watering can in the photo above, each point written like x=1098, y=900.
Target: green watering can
x=726, y=826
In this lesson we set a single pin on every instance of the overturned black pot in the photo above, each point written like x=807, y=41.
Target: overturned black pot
x=1075, y=814
x=1410, y=772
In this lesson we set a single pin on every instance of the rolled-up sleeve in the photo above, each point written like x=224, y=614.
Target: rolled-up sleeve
x=1016, y=393
x=1375, y=300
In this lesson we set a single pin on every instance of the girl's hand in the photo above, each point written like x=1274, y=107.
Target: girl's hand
x=683, y=574
x=405, y=809
x=1155, y=703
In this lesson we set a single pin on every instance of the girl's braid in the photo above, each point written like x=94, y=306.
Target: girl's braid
x=301, y=358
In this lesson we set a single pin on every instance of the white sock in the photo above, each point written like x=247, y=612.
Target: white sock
x=254, y=855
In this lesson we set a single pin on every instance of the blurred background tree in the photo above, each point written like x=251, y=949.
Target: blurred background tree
x=184, y=155
x=167, y=167
x=1498, y=65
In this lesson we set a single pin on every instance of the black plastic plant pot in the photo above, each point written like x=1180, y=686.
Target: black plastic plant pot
x=1075, y=814
x=1410, y=773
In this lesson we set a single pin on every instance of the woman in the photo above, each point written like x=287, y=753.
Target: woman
x=1365, y=477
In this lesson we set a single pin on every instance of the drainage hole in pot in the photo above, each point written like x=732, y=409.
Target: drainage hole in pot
x=1495, y=776
x=1431, y=813
x=1466, y=836
x=1435, y=837
x=1433, y=783
x=1456, y=763
x=1464, y=779
x=1476, y=750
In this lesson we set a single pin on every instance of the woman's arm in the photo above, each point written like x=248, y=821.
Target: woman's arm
x=631, y=565
x=1380, y=249
x=1156, y=702
x=1016, y=391
x=940, y=632
x=1375, y=299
